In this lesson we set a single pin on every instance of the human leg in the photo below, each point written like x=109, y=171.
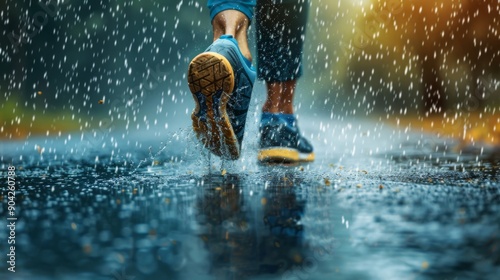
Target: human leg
x=280, y=97
x=232, y=18
x=235, y=23
x=280, y=26
x=280, y=36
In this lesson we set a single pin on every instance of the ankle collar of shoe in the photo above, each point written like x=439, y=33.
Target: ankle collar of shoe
x=234, y=41
x=278, y=119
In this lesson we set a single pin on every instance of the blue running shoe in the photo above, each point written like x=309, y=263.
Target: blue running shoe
x=221, y=81
x=282, y=143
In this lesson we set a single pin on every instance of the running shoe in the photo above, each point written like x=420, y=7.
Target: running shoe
x=221, y=81
x=282, y=143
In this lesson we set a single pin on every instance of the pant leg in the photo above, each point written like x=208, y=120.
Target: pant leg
x=244, y=6
x=280, y=27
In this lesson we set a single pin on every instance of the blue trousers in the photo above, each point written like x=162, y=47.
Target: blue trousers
x=280, y=29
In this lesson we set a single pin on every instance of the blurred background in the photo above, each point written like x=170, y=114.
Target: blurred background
x=90, y=66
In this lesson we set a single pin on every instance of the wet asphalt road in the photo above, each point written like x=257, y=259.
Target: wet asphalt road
x=378, y=203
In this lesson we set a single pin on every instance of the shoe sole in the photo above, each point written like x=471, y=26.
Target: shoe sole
x=211, y=82
x=283, y=155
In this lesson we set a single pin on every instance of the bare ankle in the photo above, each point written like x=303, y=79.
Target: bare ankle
x=235, y=23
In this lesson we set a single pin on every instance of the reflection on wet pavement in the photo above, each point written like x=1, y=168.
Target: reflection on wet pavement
x=368, y=214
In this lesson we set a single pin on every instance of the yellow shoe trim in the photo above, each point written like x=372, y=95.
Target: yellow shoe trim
x=307, y=157
x=278, y=155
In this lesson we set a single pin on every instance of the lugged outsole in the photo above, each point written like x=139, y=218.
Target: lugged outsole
x=209, y=74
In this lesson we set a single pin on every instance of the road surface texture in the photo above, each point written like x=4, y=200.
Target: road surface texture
x=379, y=202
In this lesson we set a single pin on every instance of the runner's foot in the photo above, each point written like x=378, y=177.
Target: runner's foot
x=221, y=81
x=281, y=141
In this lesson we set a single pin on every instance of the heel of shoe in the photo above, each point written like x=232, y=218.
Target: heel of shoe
x=211, y=81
